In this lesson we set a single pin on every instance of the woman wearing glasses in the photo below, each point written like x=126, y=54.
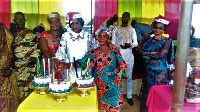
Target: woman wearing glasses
x=154, y=49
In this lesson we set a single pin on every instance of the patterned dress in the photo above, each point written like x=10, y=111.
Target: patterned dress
x=8, y=85
x=155, y=64
x=52, y=41
x=107, y=78
x=25, y=51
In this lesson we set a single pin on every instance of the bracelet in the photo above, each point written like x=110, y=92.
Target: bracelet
x=53, y=58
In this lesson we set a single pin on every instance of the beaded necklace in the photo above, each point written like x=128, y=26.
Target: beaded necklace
x=78, y=37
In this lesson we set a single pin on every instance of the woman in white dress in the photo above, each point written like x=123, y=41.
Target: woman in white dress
x=74, y=43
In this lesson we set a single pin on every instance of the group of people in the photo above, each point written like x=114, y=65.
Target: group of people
x=110, y=50
x=152, y=45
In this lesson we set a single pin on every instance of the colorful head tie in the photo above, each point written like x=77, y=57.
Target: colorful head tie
x=105, y=29
x=53, y=15
x=161, y=19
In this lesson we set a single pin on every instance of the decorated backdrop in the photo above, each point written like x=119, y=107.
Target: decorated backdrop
x=142, y=10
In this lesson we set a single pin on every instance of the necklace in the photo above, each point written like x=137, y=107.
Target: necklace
x=78, y=37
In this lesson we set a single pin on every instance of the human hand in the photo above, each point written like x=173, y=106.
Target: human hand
x=123, y=47
x=32, y=62
x=154, y=52
x=138, y=49
x=65, y=65
x=56, y=62
x=127, y=45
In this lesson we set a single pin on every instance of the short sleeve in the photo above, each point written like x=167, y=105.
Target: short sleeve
x=121, y=64
x=88, y=55
x=44, y=34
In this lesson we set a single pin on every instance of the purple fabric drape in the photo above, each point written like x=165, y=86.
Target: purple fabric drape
x=172, y=12
x=104, y=9
x=5, y=6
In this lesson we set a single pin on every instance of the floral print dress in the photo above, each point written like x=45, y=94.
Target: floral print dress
x=155, y=64
x=107, y=78
x=52, y=41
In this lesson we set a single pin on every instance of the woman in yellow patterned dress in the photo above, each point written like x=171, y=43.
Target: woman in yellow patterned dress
x=8, y=85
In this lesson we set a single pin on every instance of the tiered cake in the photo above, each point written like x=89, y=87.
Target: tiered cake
x=41, y=82
x=62, y=88
x=42, y=77
x=60, y=84
x=85, y=82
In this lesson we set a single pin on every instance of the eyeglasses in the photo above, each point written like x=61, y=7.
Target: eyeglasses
x=160, y=28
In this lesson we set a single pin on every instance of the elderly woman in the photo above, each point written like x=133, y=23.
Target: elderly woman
x=154, y=49
x=108, y=63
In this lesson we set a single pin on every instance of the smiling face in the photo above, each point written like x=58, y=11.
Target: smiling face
x=54, y=23
x=158, y=28
x=103, y=38
x=76, y=26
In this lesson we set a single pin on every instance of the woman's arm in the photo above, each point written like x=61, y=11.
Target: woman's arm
x=162, y=53
x=44, y=48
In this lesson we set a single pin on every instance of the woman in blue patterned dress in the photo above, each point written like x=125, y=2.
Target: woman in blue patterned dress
x=108, y=64
x=154, y=49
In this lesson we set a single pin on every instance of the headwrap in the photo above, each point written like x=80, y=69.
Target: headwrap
x=161, y=19
x=104, y=29
x=53, y=15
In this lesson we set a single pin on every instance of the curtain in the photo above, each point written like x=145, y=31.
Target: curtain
x=5, y=12
x=151, y=9
x=104, y=9
x=172, y=12
x=132, y=6
x=48, y=6
x=141, y=10
x=36, y=11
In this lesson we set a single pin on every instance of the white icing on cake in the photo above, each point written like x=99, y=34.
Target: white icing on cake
x=80, y=81
x=63, y=86
x=85, y=83
x=42, y=80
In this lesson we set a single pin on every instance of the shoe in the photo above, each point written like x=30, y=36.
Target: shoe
x=130, y=101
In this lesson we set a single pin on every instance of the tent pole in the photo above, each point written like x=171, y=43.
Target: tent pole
x=91, y=20
x=182, y=55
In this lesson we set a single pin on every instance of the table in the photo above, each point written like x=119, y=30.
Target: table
x=160, y=100
x=75, y=103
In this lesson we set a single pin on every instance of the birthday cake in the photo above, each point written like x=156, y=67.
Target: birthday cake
x=85, y=82
x=60, y=88
x=41, y=82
